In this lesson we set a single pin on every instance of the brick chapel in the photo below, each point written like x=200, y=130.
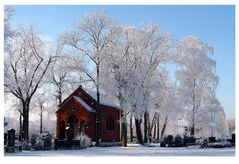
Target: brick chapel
x=79, y=112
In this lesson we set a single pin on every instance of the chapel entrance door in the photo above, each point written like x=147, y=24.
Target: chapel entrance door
x=73, y=124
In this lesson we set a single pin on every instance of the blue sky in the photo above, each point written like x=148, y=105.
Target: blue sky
x=215, y=25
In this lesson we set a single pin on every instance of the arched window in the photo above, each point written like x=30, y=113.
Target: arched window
x=110, y=123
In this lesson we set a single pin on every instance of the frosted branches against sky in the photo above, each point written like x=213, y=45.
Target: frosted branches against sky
x=214, y=25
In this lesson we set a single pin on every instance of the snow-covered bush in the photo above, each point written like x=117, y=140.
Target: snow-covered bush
x=39, y=145
x=219, y=144
x=26, y=145
x=85, y=141
x=204, y=143
x=33, y=139
x=42, y=141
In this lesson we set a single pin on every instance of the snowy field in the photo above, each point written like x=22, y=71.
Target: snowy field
x=131, y=150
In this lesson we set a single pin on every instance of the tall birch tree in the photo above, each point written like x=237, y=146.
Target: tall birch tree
x=196, y=76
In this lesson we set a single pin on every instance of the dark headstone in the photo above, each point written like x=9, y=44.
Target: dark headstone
x=11, y=137
x=60, y=144
x=185, y=138
x=212, y=139
x=178, y=141
x=55, y=144
x=169, y=140
x=5, y=138
x=163, y=143
x=10, y=141
x=47, y=143
x=190, y=141
x=233, y=138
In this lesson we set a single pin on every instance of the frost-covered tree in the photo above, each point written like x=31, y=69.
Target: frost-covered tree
x=150, y=52
x=40, y=101
x=16, y=105
x=64, y=75
x=134, y=61
x=196, y=77
x=8, y=30
x=167, y=106
x=231, y=125
x=116, y=70
x=90, y=38
x=212, y=118
x=25, y=65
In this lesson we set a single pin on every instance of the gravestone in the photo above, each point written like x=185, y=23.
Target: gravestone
x=212, y=139
x=5, y=138
x=233, y=138
x=47, y=143
x=169, y=140
x=11, y=141
x=11, y=137
x=178, y=141
x=190, y=141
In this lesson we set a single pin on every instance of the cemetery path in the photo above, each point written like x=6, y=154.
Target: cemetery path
x=131, y=150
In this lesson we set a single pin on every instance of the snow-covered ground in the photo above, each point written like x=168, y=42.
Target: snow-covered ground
x=131, y=150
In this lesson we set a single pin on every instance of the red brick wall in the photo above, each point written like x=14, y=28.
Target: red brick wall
x=110, y=135
x=73, y=107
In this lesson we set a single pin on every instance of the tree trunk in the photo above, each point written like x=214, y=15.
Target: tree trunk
x=98, y=119
x=154, y=131
x=60, y=95
x=194, y=109
x=192, y=130
x=131, y=128
x=148, y=126
x=145, y=127
x=158, y=129
x=20, y=127
x=152, y=127
x=98, y=112
x=123, y=120
x=150, y=136
x=193, y=124
x=138, y=131
x=164, y=127
x=124, y=132
x=41, y=120
x=25, y=125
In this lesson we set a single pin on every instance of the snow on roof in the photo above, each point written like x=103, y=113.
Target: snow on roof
x=83, y=103
x=103, y=99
